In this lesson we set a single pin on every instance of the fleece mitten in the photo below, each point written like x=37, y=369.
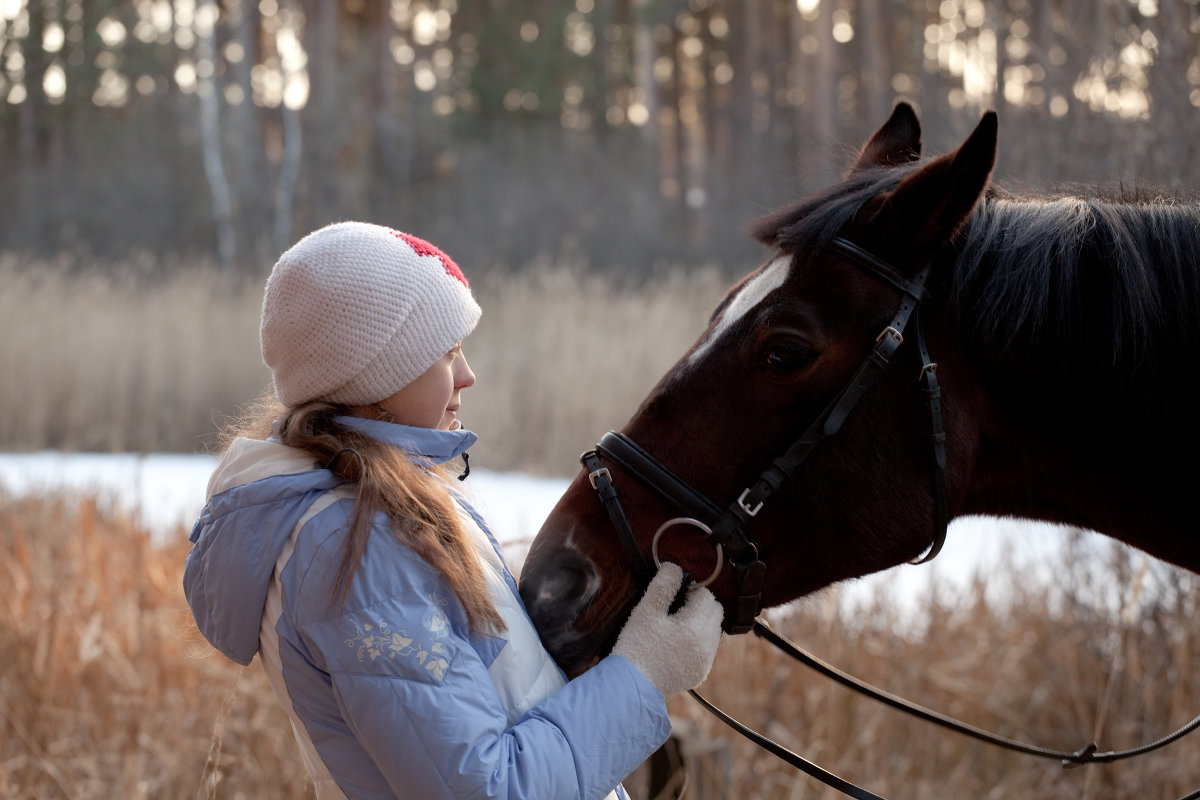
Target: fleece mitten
x=675, y=651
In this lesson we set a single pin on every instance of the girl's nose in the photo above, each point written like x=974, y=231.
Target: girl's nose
x=464, y=377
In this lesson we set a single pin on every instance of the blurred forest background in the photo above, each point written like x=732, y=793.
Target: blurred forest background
x=591, y=165
x=619, y=133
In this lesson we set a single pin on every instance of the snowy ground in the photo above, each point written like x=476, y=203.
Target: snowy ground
x=166, y=491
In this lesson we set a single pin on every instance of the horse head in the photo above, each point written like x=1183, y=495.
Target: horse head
x=782, y=346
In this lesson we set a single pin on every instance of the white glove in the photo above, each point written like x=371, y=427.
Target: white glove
x=675, y=651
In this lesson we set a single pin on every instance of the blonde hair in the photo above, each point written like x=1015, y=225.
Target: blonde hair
x=423, y=514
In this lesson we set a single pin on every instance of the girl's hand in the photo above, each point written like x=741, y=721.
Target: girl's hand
x=675, y=651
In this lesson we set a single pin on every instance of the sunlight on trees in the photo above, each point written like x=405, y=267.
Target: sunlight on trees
x=54, y=83
x=843, y=29
x=1119, y=84
x=687, y=92
x=989, y=49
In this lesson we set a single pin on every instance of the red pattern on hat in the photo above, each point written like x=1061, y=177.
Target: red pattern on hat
x=424, y=248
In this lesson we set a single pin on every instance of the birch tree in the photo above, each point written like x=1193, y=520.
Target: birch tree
x=210, y=134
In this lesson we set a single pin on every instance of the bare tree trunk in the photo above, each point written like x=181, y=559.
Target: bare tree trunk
x=31, y=125
x=289, y=170
x=321, y=39
x=1042, y=40
x=1171, y=142
x=795, y=76
x=643, y=70
x=876, y=72
x=387, y=139
x=285, y=187
x=210, y=137
x=247, y=155
x=824, y=97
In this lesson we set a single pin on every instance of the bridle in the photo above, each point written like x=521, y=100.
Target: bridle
x=725, y=528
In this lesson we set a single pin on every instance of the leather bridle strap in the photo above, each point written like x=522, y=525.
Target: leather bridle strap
x=728, y=526
x=651, y=473
x=727, y=530
x=601, y=481
x=937, y=438
x=880, y=269
x=779, y=751
x=831, y=420
x=889, y=340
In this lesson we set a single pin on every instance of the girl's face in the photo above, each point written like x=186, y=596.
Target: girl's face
x=430, y=401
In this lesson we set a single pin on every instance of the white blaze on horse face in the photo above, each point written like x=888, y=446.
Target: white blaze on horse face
x=754, y=292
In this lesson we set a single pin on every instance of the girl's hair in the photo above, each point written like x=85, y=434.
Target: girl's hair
x=423, y=513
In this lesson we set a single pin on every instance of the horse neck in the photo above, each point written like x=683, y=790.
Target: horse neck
x=1081, y=322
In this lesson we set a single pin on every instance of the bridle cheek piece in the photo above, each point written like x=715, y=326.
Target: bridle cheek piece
x=724, y=528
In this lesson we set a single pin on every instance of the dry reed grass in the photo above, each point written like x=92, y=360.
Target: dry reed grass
x=107, y=690
x=562, y=356
x=112, y=361
x=1054, y=668
x=99, y=361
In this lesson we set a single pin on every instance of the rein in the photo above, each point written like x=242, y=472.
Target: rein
x=724, y=528
x=1085, y=755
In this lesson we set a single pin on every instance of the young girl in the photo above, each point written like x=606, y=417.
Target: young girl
x=335, y=545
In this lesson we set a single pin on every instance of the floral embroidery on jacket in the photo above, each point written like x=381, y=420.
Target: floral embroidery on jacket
x=377, y=639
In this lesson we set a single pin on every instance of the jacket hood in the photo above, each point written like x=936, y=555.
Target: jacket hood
x=257, y=494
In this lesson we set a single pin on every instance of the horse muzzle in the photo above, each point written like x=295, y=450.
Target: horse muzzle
x=558, y=586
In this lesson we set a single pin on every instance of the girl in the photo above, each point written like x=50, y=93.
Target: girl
x=335, y=546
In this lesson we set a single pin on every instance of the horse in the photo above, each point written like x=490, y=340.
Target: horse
x=1047, y=372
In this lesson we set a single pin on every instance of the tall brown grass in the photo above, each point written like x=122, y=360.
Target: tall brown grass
x=1053, y=666
x=107, y=690
x=114, y=360
x=117, y=361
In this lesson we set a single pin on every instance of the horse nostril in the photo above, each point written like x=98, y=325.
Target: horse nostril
x=556, y=590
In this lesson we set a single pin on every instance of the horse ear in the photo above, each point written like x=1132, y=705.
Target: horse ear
x=929, y=206
x=897, y=142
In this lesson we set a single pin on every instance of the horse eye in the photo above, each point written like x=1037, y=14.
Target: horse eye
x=787, y=356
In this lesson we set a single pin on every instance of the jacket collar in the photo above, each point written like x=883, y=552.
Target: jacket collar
x=427, y=444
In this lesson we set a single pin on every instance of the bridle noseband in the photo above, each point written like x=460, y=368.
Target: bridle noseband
x=725, y=527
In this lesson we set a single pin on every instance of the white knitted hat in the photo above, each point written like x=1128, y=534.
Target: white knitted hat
x=355, y=312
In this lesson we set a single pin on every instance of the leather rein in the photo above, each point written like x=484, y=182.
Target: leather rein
x=724, y=528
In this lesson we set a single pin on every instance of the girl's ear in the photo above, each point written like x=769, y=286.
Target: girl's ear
x=929, y=206
x=897, y=142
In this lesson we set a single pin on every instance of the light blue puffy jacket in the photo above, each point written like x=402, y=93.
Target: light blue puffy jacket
x=392, y=695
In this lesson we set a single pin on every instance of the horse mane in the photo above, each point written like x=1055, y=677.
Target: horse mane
x=1096, y=299
x=1069, y=300
x=808, y=224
